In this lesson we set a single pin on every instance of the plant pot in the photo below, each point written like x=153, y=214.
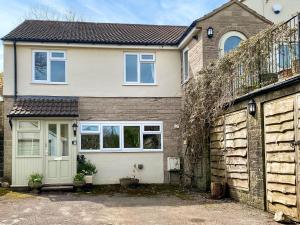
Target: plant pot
x=35, y=185
x=88, y=179
x=78, y=184
x=218, y=190
x=129, y=182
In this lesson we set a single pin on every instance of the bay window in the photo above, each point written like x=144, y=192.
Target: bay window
x=139, y=68
x=49, y=66
x=121, y=136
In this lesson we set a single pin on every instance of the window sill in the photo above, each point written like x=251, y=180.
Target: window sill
x=139, y=84
x=50, y=83
x=120, y=151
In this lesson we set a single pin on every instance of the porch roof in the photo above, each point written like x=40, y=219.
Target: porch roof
x=45, y=106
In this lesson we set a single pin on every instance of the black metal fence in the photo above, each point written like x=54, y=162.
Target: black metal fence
x=281, y=62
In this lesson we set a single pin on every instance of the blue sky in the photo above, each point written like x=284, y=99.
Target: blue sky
x=177, y=12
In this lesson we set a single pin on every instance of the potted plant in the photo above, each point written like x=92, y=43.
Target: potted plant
x=78, y=180
x=88, y=171
x=87, y=168
x=35, y=181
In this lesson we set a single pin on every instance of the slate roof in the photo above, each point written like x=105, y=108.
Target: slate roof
x=32, y=106
x=96, y=33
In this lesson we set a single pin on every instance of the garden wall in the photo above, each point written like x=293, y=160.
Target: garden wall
x=242, y=149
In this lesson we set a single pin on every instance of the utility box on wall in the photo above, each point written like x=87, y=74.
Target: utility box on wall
x=173, y=163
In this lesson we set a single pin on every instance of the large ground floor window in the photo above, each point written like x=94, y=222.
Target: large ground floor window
x=121, y=136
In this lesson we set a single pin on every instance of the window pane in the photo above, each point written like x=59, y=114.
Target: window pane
x=28, y=144
x=131, y=68
x=64, y=138
x=152, y=141
x=28, y=125
x=52, y=140
x=40, y=65
x=111, y=137
x=284, y=56
x=186, y=64
x=131, y=136
x=147, y=73
x=151, y=128
x=231, y=43
x=90, y=141
x=90, y=128
x=147, y=57
x=58, y=71
x=57, y=54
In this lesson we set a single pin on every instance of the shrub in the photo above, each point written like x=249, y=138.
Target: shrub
x=79, y=177
x=85, y=167
x=36, y=178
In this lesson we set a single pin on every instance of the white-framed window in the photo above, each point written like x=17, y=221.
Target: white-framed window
x=90, y=137
x=121, y=136
x=28, y=141
x=230, y=41
x=185, y=65
x=49, y=67
x=139, y=68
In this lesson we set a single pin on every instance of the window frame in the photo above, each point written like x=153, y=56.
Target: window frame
x=92, y=133
x=101, y=137
x=122, y=124
x=184, y=77
x=139, y=61
x=49, y=59
x=226, y=36
x=19, y=130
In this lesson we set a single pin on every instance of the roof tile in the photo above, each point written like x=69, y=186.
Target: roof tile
x=34, y=106
x=96, y=33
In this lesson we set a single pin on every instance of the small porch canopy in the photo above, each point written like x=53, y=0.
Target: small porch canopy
x=44, y=106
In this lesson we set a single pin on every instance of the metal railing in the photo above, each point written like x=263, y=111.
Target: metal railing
x=281, y=62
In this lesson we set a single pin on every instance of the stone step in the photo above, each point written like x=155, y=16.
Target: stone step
x=57, y=188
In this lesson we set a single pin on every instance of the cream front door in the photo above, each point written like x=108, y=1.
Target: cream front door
x=58, y=153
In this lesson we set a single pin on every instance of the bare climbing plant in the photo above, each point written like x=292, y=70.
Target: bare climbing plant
x=211, y=91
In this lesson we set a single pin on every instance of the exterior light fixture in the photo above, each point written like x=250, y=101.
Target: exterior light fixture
x=252, y=107
x=75, y=126
x=210, y=32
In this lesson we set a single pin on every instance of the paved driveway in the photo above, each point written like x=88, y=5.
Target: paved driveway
x=70, y=208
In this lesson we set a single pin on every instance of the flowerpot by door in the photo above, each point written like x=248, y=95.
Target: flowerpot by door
x=88, y=179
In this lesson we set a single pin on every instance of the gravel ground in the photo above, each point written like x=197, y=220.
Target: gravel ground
x=72, y=208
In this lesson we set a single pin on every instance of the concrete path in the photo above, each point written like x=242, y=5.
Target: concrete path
x=70, y=208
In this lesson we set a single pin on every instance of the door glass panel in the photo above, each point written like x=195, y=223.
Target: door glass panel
x=52, y=140
x=64, y=138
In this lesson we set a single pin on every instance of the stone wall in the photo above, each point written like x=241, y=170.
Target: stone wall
x=256, y=194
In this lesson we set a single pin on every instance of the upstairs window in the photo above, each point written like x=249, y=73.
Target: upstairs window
x=230, y=41
x=139, y=68
x=185, y=67
x=49, y=66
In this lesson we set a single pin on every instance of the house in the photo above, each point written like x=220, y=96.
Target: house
x=112, y=92
x=274, y=10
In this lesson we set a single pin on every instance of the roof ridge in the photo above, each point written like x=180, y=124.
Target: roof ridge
x=107, y=23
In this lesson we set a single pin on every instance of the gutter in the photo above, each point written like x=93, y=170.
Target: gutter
x=15, y=71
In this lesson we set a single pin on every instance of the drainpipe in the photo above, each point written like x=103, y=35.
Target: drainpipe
x=15, y=71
